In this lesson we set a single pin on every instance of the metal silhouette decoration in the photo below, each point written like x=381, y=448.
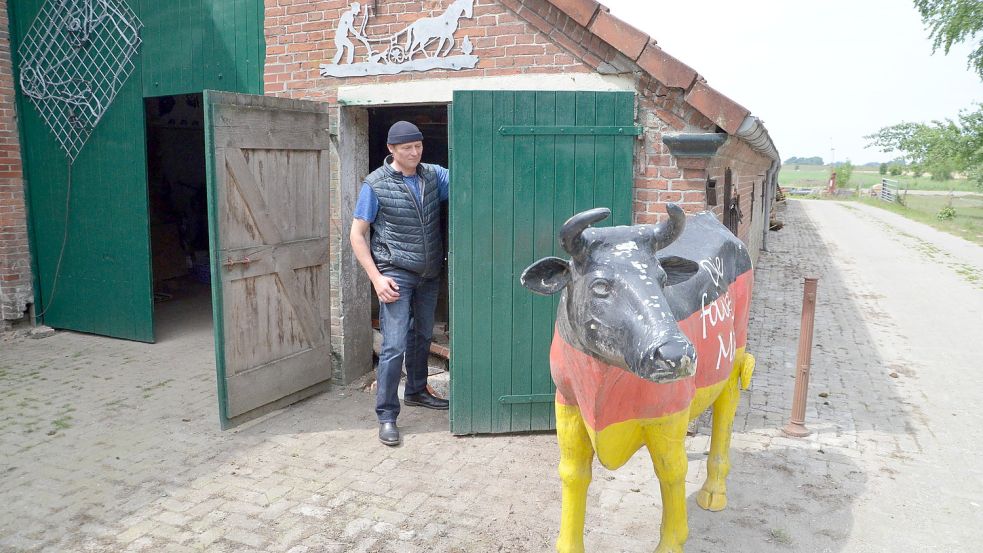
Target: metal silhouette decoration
x=74, y=59
x=650, y=331
x=423, y=45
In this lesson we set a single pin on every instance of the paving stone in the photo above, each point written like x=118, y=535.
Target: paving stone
x=135, y=460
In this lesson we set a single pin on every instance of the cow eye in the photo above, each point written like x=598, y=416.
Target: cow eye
x=601, y=288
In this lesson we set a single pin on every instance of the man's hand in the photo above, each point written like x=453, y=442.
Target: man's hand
x=386, y=288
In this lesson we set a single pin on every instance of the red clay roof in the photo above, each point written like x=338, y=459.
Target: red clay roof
x=636, y=45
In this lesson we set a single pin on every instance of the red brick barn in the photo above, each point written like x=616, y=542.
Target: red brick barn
x=541, y=108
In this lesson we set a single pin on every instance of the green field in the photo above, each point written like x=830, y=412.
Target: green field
x=811, y=176
x=968, y=222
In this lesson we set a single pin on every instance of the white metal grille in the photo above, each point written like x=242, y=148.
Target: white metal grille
x=73, y=60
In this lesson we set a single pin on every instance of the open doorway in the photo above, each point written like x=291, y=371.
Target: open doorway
x=178, y=214
x=431, y=119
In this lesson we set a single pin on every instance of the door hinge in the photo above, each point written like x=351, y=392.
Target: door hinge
x=229, y=263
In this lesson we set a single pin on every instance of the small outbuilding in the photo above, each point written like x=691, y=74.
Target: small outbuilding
x=160, y=161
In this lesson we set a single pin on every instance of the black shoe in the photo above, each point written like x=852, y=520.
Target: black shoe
x=389, y=433
x=426, y=399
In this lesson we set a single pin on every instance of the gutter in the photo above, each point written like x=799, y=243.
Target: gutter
x=753, y=131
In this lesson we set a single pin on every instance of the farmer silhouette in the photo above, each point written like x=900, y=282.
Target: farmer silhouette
x=346, y=24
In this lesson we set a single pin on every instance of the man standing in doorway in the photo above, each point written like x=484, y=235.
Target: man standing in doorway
x=400, y=204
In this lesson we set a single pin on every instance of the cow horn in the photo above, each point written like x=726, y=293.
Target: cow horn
x=570, y=234
x=668, y=231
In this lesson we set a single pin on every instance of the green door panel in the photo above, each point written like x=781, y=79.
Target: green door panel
x=104, y=283
x=511, y=191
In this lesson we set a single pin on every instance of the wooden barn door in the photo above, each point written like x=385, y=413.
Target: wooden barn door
x=521, y=164
x=267, y=161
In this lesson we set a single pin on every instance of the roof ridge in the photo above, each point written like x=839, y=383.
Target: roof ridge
x=644, y=51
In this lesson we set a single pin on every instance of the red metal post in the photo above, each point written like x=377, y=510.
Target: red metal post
x=796, y=425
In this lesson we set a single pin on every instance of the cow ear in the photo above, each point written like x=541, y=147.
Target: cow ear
x=547, y=276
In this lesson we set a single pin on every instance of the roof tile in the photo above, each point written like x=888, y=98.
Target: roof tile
x=580, y=11
x=625, y=38
x=665, y=68
x=724, y=112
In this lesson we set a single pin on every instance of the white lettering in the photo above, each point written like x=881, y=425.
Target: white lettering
x=727, y=350
x=720, y=310
x=715, y=268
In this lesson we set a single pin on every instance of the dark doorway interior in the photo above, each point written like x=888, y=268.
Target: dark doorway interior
x=432, y=121
x=178, y=212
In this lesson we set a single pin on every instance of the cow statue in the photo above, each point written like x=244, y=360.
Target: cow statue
x=650, y=332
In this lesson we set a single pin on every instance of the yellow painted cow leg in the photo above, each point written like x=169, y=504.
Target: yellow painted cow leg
x=665, y=444
x=576, y=457
x=713, y=495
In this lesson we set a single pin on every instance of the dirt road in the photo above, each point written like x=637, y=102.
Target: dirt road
x=922, y=291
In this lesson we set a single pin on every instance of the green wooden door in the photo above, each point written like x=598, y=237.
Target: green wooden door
x=90, y=239
x=521, y=164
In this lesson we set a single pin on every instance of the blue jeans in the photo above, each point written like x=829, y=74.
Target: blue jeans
x=407, y=329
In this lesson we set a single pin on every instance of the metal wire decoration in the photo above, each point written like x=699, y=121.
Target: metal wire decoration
x=74, y=59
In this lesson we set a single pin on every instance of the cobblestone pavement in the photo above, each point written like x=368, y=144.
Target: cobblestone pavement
x=114, y=446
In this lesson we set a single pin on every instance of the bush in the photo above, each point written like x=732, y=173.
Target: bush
x=843, y=172
x=895, y=170
x=946, y=213
x=882, y=169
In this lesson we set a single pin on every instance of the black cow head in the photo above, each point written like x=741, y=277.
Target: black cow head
x=614, y=306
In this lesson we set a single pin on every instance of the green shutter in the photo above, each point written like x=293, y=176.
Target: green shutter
x=522, y=163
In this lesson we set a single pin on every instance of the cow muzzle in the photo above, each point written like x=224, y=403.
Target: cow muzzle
x=672, y=360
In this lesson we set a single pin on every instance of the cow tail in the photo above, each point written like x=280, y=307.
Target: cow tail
x=747, y=370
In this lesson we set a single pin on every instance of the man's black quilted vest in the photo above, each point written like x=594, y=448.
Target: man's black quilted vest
x=406, y=234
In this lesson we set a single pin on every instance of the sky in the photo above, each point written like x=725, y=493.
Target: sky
x=820, y=75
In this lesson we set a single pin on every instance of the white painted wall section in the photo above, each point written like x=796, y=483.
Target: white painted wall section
x=437, y=91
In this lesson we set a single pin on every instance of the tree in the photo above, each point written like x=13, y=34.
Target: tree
x=954, y=21
x=804, y=160
x=939, y=148
x=843, y=172
x=882, y=169
x=971, y=144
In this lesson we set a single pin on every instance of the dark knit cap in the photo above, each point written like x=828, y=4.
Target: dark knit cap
x=402, y=132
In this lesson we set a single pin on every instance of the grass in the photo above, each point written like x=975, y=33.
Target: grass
x=815, y=175
x=969, y=273
x=780, y=535
x=967, y=224
x=63, y=423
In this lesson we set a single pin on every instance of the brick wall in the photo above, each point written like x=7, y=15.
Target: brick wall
x=15, y=261
x=300, y=36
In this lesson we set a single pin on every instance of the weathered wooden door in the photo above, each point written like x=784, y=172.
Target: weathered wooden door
x=267, y=162
x=521, y=164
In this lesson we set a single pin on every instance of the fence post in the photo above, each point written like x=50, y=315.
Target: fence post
x=796, y=425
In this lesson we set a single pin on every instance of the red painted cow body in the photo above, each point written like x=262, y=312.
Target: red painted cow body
x=651, y=330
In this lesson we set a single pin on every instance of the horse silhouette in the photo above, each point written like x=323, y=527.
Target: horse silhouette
x=423, y=32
